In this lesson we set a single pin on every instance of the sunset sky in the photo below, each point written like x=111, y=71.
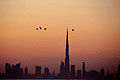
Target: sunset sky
x=96, y=39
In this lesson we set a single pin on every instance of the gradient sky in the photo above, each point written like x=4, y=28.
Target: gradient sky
x=96, y=39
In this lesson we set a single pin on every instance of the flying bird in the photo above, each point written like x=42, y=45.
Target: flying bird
x=73, y=30
x=45, y=28
x=36, y=28
x=40, y=27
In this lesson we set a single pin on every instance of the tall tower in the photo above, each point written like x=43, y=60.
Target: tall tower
x=67, y=71
x=83, y=70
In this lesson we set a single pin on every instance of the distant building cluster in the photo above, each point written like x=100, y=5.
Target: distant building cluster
x=16, y=72
x=13, y=70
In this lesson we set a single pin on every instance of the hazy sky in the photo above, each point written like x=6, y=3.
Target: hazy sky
x=96, y=39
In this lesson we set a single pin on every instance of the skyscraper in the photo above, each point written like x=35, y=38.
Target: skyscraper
x=0, y=75
x=7, y=70
x=67, y=72
x=78, y=74
x=73, y=75
x=119, y=68
x=83, y=70
x=102, y=73
x=38, y=70
x=117, y=75
x=46, y=72
x=62, y=70
x=107, y=74
x=26, y=71
x=21, y=72
x=13, y=72
x=53, y=74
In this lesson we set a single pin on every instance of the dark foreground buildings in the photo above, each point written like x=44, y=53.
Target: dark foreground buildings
x=26, y=71
x=15, y=71
x=38, y=70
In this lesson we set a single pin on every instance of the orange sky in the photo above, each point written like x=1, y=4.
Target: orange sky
x=96, y=39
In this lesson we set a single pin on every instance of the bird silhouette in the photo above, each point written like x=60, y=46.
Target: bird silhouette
x=73, y=30
x=40, y=28
x=36, y=28
x=45, y=28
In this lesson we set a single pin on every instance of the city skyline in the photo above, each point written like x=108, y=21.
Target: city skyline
x=66, y=56
x=16, y=72
x=95, y=39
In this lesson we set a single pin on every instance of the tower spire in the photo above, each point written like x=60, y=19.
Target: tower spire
x=67, y=57
x=67, y=44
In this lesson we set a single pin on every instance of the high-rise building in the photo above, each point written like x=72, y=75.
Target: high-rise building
x=7, y=70
x=13, y=72
x=3, y=75
x=53, y=74
x=92, y=74
x=67, y=72
x=46, y=72
x=21, y=72
x=83, y=70
x=119, y=68
x=117, y=75
x=62, y=70
x=73, y=71
x=0, y=75
x=102, y=73
x=18, y=65
x=38, y=70
x=78, y=74
x=26, y=71
x=107, y=74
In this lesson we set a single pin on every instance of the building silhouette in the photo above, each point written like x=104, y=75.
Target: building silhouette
x=26, y=71
x=67, y=71
x=13, y=72
x=73, y=73
x=112, y=76
x=21, y=72
x=0, y=75
x=78, y=74
x=62, y=70
x=107, y=75
x=7, y=70
x=38, y=70
x=119, y=68
x=117, y=75
x=92, y=74
x=3, y=76
x=83, y=70
x=46, y=73
x=53, y=73
x=102, y=73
